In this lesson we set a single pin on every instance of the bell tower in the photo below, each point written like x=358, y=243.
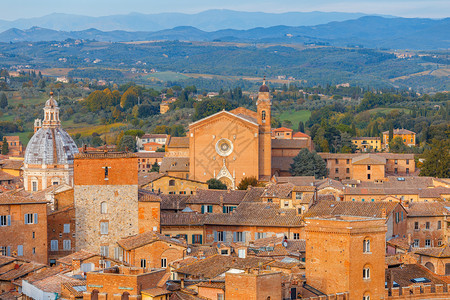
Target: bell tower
x=263, y=107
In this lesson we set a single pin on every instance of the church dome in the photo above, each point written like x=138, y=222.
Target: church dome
x=264, y=88
x=50, y=146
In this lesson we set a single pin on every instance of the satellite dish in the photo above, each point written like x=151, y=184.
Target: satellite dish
x=188, y=250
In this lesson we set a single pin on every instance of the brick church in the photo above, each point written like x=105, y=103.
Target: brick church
x=230, y=145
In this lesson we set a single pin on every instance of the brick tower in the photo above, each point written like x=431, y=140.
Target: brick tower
x=263, y=105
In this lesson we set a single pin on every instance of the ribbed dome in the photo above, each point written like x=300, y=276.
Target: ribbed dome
x=51, y=103
x=264, y=89
x=50, y=146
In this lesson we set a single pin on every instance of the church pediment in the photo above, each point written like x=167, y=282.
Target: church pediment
x=221, y=115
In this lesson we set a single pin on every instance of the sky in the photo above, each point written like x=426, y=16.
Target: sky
x=11, y=10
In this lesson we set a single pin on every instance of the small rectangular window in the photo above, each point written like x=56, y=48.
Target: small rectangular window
x=66, y=228
x=67, y=245
x=5, y=220
x=104, y=251
x=20, y=250
x=416, y=225
x=427, y=225
x=104, y=227
x=54, y=245
x=163, y=262
x=143, y=263
x=296, y=236
x=368, y=167
x=416, y=243
x=368, y=176
x=439, y=225
x=427, y=243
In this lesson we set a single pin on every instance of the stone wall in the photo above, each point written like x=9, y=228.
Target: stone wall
x=122, y=215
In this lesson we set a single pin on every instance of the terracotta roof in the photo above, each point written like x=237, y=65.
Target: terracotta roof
x=216, y=265
x=217, y=196
x=443, y=251
x=154, y=135
x=366, y=138
x=79, y=255
x=147, y=196
x=402, y=276
x=6, y=177
x=70, y=285
x=326, y=155
x=46, y=273
x=286, y=265
x=350, y=208
x=173, y=201
x=282, y=190
x=183, y=295
x=156, y=291
x=257, y=214
x=327, y=182
x=368, y=159
x=12, y=138
x=422, y=209
x=150, y=154
x=174, y=164
x=253, y=194
x=300, y=135
x=244, y=111
x=53, y=283
x=282, y=129
x=434, y=192
x=11, y=164
x=400, y=131
x=397, y=155
x=4, y=260
x=213, y=284
x=146, y=178
x=142, y=239
x=153, y=144
x=399, y=242
x=296, y=180
x=178, y=142
x=103, y=155
x=180, y=218
x=21, y=271
x=9, y=199
x=289, y=144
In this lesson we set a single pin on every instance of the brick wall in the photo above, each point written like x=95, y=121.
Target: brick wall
x=32, y=237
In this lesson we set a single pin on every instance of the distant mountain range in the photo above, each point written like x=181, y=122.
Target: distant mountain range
x=368, y=31
x=210, y=20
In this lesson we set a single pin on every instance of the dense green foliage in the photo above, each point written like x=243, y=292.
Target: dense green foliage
x=246, y=182
x=215, y=184
x=437, y=159
x=3, y=100
x=5, y=147
x=308, y=163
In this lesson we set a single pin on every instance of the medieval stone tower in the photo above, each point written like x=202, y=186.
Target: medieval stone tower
x=105, y=199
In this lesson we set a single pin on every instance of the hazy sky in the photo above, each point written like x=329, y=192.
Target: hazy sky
x=15, y=9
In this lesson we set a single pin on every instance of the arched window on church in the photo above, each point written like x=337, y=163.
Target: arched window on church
x=263, y=115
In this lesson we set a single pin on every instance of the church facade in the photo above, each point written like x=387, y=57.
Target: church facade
x=227, y=146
